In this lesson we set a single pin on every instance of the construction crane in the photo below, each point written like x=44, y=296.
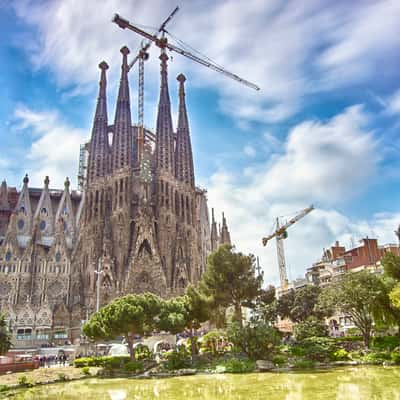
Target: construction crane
x=280, y=234
x=141, y=57
x=163, y=44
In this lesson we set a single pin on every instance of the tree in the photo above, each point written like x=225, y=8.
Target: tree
x=185, y=312
x=361, y=295
x=310, y=327
x=395, y=297
x=302, y=303
x=231, y=280
x=5, y=337
x=125, y=316
x=266, y=306
x=391, y=265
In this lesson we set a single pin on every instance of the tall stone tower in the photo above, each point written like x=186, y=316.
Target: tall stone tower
x=139, y=224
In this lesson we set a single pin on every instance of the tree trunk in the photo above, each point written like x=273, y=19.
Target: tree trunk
x=238, y=314
x=366, y=337
x=192, y=346
x=130, y=347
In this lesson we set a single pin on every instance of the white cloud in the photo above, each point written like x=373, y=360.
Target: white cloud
x=290, y=51
x=324, y=163
x=249, y=151
x=54, y=148
x=393, y=103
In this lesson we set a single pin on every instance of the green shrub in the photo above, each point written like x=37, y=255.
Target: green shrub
x=315, y=348
x=214, y=342
x=395, y=357
x=237, y=366
x=134, y=366
x=340, y=355
x=86, y=370
x=142, y=352
x=385, y=342
x=86, y=362
x=176, y=359
x=311, y=327
x=24, y=381
x=258, y=341
x=279, y=360
x=376, y=357
x=4, y=388
x=355, y=332
x=304, y=364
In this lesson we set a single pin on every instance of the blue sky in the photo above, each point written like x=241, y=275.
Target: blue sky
x=324, y=128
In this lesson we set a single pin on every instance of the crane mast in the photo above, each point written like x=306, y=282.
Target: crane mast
x=280, y=234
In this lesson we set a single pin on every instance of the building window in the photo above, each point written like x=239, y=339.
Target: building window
x=24, y=333
x=21, y=224
x=60, y=335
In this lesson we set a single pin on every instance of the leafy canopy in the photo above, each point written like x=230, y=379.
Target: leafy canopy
x=231, y=279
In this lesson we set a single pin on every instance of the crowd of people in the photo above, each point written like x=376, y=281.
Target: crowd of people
x=52, y=361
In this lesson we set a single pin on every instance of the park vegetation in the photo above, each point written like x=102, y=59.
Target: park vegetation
x=231, y=285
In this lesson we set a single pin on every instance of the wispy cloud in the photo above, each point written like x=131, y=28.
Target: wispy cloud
x=290, y=51
x=322, y=162
x=54, y=145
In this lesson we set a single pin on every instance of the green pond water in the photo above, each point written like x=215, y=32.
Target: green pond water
x=358, y=383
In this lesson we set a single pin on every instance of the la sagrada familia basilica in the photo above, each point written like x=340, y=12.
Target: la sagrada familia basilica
x=139, y=223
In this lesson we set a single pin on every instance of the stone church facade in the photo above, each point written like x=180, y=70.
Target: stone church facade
x=139, y=224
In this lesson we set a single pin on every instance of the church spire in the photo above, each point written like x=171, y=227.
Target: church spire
x=183, y=153
x=99, y=148
x=122, y=139
x=214, y=232
x=225, y=235
x=164, y=130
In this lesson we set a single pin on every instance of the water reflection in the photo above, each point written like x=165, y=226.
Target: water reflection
x=342, y=384
x=117, y=394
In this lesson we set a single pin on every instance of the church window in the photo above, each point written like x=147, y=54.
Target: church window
x=58, y=256
x=42, y=225
x=8, y=256
x=145, y=246
x=21, y=224
x=22, y=209
x=43, y=211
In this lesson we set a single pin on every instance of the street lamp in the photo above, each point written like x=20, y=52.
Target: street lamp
x=98, y=273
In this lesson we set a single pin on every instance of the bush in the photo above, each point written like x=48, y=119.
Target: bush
x=340, y=355
x=385, y=342
x=311, y=327
x=107, y=362
x=237, y=366
x=86, y=371
x=280, y=360
x=4, y=388
x=257, y=341
x=214, y=342
x=315, y=348
x=395, y=357
x=304, y=364
x=24, y=381
x=176, y=359
x=142, y=352
x=134, y=366
x=376, y=357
